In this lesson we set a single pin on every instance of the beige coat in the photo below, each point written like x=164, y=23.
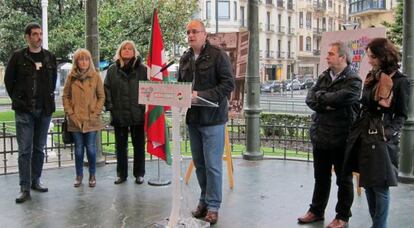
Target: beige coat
x=83, y=102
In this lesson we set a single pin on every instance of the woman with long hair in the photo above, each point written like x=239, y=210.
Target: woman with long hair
x=373, y=143
x=83, y=99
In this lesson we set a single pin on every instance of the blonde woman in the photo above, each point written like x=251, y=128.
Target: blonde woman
x=121, y=90
x=83, y=100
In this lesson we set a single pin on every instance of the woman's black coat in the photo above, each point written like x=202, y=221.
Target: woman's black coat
x=372, y=146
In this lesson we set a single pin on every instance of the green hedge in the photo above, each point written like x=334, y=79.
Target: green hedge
x=281, y=124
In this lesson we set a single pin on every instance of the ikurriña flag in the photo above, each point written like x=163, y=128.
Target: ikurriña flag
x=157, y=133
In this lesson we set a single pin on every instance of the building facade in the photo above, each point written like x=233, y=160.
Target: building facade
x=372, y=13
x=290, y=31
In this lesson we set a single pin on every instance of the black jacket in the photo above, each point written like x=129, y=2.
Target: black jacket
x=372, y=147
x=336, y=105
x=212, y=77
x=20, y=81
x=121, y=94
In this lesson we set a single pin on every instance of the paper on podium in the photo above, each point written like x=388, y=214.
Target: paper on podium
x=199, y=101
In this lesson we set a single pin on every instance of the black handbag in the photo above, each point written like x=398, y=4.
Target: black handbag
x=67, y=137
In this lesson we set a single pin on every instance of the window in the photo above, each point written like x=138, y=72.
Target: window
x=279, y=44
x=300, y=43
x=309, y=20
x=268, y=27
x=289, y=53
x=235, y=10
x=308, y=43
x=223, y=9
x=267, y=48
x=242, y=22
x=279, y=18
x=208, y=9
x=289, y=25
x=301, y=20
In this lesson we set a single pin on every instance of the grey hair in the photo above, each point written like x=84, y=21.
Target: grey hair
x=343, y=50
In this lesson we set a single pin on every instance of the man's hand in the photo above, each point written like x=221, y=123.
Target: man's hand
x=194, y=95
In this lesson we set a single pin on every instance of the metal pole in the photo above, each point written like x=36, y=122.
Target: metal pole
x=406, y=173
x=252, y=109
x=45, y=41
x=92, y=44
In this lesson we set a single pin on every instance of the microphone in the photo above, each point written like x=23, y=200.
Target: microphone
x=164, y=68
x=168, y=65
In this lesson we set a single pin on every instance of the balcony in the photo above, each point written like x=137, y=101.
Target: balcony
x=318, y=31
x=290, y=6
x=269, y=55
x=319, y=5
x=366, y=7
x=280, y=29
x=269, y=4
x=260, y=26
x=243, y=23
x=291, y=55
x=316, y=52
x=280, y=4
x=291, y=31
x=280, y=55
x=269, y=28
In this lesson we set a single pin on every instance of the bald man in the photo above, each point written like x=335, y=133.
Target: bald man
x=210, y=71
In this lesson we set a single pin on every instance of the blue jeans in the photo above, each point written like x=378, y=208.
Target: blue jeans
x=378, y=202
x=207, y=146
x=31, y=132
x=85, y=140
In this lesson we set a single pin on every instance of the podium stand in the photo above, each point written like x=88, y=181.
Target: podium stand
x=178, y=96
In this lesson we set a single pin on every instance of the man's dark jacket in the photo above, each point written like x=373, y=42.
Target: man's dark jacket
x=20, y=81
x=212, y=77
x=336, y=105
x=121, y=94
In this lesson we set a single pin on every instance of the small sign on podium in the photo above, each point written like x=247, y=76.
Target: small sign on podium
x=176, y=94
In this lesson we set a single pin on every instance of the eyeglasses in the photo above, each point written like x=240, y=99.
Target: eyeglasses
x=194, y=31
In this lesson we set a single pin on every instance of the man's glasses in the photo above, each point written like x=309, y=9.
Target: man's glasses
x=193, y=31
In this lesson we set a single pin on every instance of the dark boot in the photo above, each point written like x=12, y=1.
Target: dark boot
x=78, y=181
x=92, y=181
x=39, y=187
x=23, y=196
x=200, y=211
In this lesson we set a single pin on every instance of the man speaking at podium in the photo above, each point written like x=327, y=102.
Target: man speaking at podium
x=210, y=71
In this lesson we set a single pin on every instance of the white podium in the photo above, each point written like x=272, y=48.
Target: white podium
x=178, y=96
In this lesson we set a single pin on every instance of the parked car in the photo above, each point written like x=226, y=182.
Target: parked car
x=271, y=86
x=307, y=83
x=293, y=85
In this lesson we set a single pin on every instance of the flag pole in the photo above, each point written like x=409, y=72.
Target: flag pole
x=156, y=181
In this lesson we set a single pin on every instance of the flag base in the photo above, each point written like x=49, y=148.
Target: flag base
x=183, y=223
x=158, y=182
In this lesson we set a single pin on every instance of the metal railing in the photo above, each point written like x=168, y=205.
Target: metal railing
x=284, y=140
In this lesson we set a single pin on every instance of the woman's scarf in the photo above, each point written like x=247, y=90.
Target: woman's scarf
x=383, y=86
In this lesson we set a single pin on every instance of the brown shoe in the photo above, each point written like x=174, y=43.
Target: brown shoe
x=338, y=223
x=78, y=181
x=309, y=217
x=92, y=181
x=200, y=211
x=211, y=217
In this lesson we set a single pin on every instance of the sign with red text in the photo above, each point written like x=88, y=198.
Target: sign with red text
x=177, y=94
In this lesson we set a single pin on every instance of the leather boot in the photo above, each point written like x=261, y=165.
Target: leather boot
x=78, y=181
x=92, y=181
x=23, y=196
